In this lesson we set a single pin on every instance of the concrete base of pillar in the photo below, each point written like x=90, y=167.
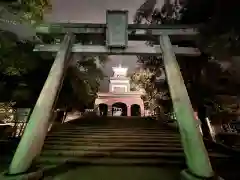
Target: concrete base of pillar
x=37, y=175
x=187, y=175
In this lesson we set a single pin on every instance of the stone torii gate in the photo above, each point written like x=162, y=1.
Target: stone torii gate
x=117, y=32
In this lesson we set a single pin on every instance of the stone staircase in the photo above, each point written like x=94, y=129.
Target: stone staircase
x=118, y=141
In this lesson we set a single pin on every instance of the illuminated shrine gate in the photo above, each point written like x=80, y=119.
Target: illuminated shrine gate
x=117, y=33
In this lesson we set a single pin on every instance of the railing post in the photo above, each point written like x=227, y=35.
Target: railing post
x=33, y=138
x=211, y=129
x=129, y=110
x=109, y=113
x=196, y=154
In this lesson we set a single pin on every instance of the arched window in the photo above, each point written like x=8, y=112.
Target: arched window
x=103, y=108
x=135, y=110
x=116, y=109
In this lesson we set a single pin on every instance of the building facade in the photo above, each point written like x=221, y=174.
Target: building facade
x=120, y=97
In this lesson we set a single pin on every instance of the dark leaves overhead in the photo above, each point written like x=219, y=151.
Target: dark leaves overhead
x=144, y=11
x=219, y=26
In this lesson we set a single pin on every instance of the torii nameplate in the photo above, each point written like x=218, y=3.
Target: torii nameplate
x=117, y=29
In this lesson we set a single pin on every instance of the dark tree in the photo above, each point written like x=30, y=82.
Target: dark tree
x=218, y=40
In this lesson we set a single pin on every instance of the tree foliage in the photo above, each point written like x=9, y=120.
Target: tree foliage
x=145, y=79
x=218, y=40
x=21, y=68
x=142, y=79
x=28, y=10
x=84, y=75
x=217, y=19
x=220, y=29
x=6, y=112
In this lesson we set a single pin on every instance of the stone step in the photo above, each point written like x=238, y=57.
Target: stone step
x=128, y=127
x=84, y=131
x=169, y=133
x=103, y=136
x=110, y=128
x=113, y=144
x=121, y=121
x=113, y=154
x=109, y=161
x=123, y=154
x=110, y=140
x=111, y=148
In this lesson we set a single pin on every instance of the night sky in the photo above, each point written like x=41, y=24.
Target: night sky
x=94, y=11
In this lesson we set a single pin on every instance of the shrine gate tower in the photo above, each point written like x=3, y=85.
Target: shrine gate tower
x=120, y=96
